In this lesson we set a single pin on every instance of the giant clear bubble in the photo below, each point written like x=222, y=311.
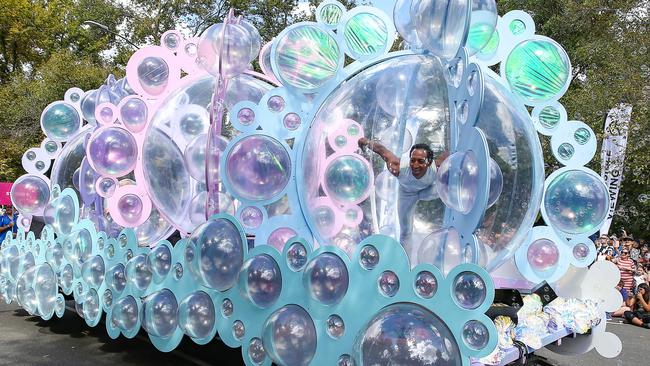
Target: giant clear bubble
x=514, y=146
x=182, y=117
x=396, y=101
x=406, y=334
x=30, y=194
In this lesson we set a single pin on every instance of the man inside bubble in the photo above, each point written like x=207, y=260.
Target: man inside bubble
x=417, y=181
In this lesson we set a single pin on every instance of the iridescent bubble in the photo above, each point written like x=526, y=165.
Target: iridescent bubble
x=549, y=117
x=107, y=298
x=130, y=207
x=258, y=168
x=30, y=194
x=475, y=335
x=279, y=237
x=307, y=57
x=366, y=35
x=276, y=103
x=576, y=202
x=543, y=255
x=30, y=155
x=88, y=106
x=330, y=14
x=261, y=280
x=345, y=360
x=388, y=283
x=582, y=135
x=93, y=271
x=565, y=151
x=289, y=336
x=469, y=290
x=92, y=306
x=581, y=251
x=196, y=315
x=138, y=271
x=441, y=25
x=113, y=152
x=537, y=70
x=159, y=313
x=153, y=73
x=160, y=258
x=255, y=38
x=178, y=271
x=106, y=187
x=442, y=248
x=60, y=121
x=457, y=181
x=66, y=277
x=335, y=326
x=194, y=122
x=220, y=253
x=296, y=257
x=406, y=334
x=326, y=278
x=404, y=23
x=51, y=147
x=125, y=313
x=225, y=51
x=251, y=217
x=517, y=27
x=347, y=179
x=369, y=257
x=426, y=284
x=134, y=114
x=256, y=350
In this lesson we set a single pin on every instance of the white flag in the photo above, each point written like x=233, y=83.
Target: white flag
x=613, y=156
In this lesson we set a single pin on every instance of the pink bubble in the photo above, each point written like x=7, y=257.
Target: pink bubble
x=543, y=255
x=279, y=237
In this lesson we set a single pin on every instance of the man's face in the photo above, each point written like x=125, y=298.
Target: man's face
x=10, y=211
x=419, y=163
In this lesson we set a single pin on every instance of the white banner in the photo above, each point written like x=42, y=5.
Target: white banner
x=613, y=156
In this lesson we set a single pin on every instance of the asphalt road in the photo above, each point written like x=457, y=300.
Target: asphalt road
x=28, y=340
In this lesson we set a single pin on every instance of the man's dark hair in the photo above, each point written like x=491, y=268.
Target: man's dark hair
x=424, y=147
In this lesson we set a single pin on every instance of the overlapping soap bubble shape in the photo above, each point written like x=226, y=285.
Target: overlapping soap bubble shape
x=339, y=202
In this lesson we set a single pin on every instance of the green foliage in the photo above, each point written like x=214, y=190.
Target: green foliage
x=607, y=42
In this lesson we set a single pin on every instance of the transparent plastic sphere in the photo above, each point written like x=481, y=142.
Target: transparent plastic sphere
x=160, y=258
x=238, y=329
x=289, y=336
x=88, y=104
x=106, y=187
x=92, y=307
x=227, y=51
x=113, y=152
x=196, y=315
x=297, y=257
x=93, y=271
x=347, y=179
x=168, y=181
x=369, y=257
x=576, y=202
x=60, y=121
x=469, y=290
x=482, y=26
x=130, y=207
x=125, y=313
x=256, y=350
x=543, y=255
x=399, y=333
x=326, y=278
x=581, y=251
x=404, y=23
x=258, y=168
x=457, y=181
x=508, y=221
x=260, y=280
x=227, y=308
x=426, y=284
x=335, y=326
x=30, y=194
x=116, y=278
x=279, y=237
x=107, y=298
x=220, y=253
x=441, y=25
x=45, y=289
x=443, y=249
x=138, y=271
x=412, y=87
x=160, y=313
x=255, y=38
x=133, y=114
x=65, y=277
x=251, y=217
x=195, y=157
x=153, y=74
x=388, y=283
x=475, y=335
x=496, y=182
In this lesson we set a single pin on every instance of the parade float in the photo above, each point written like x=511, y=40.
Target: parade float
x=291, y=242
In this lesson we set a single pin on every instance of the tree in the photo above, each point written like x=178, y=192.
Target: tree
x=607, y=42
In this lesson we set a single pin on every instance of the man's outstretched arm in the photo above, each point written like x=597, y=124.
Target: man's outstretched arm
x=392, y=161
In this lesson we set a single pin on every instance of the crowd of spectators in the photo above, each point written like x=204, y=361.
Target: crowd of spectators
x=632, y=257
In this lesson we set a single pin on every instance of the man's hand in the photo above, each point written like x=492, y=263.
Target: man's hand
x=363, y=142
